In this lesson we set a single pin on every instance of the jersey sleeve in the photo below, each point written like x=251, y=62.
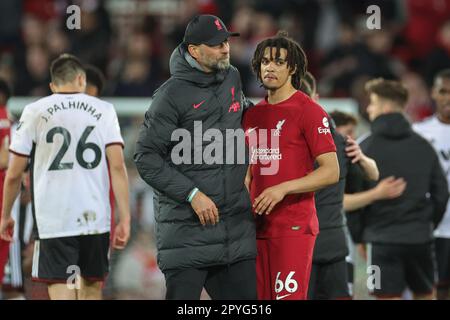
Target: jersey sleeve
x=112, y=130
x=316, y=129
x=25, y=133
x=5, y=125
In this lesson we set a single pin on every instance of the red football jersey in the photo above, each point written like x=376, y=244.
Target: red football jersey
x=284, y=139
x=5, y=126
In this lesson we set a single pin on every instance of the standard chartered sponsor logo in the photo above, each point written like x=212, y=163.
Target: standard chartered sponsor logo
x=265, y=154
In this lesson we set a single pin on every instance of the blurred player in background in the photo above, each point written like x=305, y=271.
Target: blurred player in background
x=329, y=273
x=398, y=232
x=436, y=130
x=387, y=188
x=95, y=83
x=293, y=133
x=68, y=144
x=345, y=123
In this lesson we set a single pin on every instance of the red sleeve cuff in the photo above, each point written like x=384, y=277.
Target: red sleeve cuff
x=324, y=150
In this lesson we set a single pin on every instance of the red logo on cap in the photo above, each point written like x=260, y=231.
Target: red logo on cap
x=218, y=25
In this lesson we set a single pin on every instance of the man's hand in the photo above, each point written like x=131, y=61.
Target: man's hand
x=267, y=200
x=7, y=229
x=369, y=166
x=205, y=209
x=121, y=234
x=390, y=188
x=353, y=150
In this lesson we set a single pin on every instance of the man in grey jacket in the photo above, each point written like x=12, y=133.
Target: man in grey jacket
x=186, y=151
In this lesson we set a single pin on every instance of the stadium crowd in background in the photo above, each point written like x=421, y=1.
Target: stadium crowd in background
x=132, y=43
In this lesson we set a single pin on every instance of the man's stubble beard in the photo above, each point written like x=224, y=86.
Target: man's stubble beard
x=223, y=64
x=217, y=65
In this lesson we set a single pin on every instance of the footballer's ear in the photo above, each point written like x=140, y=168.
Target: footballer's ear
x=80, y=79
x=293, y=70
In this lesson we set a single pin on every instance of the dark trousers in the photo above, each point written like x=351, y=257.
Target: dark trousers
x=236, y=281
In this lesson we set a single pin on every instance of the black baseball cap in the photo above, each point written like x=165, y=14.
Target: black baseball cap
x=207, y=29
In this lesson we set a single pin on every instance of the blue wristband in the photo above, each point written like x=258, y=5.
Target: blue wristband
x=192, y=194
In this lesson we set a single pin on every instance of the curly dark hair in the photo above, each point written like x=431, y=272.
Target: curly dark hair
x=296, y=57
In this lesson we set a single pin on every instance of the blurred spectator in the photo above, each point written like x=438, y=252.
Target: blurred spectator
x=439, y=58
x=241, y=49
x=43, y=10
x=34, y=78
x=91, y=42
x=10, y=17
x=425, y=18
x=376, y=62
x=7, y=71
x=139, y=74
x=57, y=41
x=33, y=31
x=327, y=23
x=352, y=59
x=339, y=65
x=419, y=104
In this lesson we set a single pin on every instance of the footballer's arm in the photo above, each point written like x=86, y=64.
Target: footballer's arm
x=387, y=188
x=119, y=181
x=326, y=174
x=11, y=190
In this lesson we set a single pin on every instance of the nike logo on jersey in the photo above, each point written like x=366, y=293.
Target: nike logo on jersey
x=198, y=104
x=251, y=129
x=281, y=297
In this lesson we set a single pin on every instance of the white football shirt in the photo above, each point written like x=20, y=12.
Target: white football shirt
x=66, y=136
x=438, y=134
